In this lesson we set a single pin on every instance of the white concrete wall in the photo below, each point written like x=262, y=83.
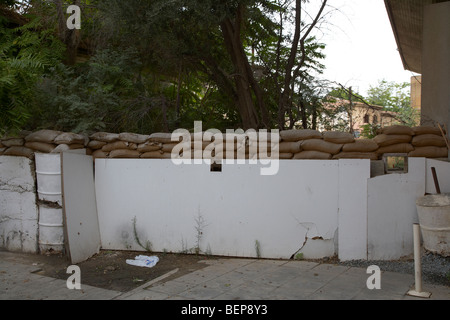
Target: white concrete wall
x=284, y=213
x=392, y=211
x=353, y=178
x=18, y=209
x=443, y=175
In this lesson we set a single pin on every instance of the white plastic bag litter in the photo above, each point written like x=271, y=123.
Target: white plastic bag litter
x=143, y=261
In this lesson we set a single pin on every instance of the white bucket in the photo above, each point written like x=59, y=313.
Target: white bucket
x=48, y=173
x=434, y=219
x=51, y=229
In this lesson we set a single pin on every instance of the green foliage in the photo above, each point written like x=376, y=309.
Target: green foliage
x=394, y=97
x=26, y=53
x=88, y=97
x=369, y=131
x=154, y=66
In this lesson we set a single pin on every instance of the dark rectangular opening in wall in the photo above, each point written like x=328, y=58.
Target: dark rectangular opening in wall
x=216, y=167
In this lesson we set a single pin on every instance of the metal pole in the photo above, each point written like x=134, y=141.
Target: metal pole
x=418, y=266
x=417, y=258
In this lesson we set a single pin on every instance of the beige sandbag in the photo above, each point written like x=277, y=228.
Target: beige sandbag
x=290, y=147
x=396, y=148
x=99, y=154
x=356, y=155
x=429, y=152
x=105, y=137
x=18, y=142
x=162, y=138
x=61, y=148
x=312, y=155
x=95, y=144
x=361, y=145
x=70, y=138
x=428, y=140
x=338, y=137
x=167, y=147
x=19, y=152
x=46, y=136
x=397, y=130
x=149, y=146
x=76, y=146
x=2, y=145
x=156, y=155
x=124, y=153
x=426, y=130
x=298, y=135
x=286, y=156
x=384, y=140
x=119, y=145
x=41, y=146
x=322, y=146
x=2, y=149
x=133, y=137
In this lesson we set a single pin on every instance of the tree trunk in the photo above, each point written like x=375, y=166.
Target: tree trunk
x=247, y=88
x=71, y=38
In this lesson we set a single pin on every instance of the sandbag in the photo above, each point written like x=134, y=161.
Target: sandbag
x=396, y=148
x=46, y=136
x=356, y=155
x=18, y=142
x=133, y=137
x=61, y=148
x=162, y=138
x=124, y=153
x=41, y=146
x=298, y=135
x=99, y=154
x=286, y=155
x=428, y=140
x=70, y=138
x=429, y=152
x=397, y=130
x=19, y=152
x=384, y=140
x=290, y=147
x=361, y=145
x=426, y=130
x=167, y=147
x=148, y=147
x=338, y=137
x=105, y=137
x=322, y=146
x=95, y=144
x=118, y=145
x=312, y=155
x=76, y=146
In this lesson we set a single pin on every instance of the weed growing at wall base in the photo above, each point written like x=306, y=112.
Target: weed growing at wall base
x=233, y=147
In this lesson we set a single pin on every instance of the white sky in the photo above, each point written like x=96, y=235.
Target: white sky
x=361, y=47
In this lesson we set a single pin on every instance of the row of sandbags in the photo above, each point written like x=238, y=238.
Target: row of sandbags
x=293, y=144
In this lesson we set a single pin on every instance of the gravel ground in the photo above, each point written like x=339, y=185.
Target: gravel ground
x=435, y=268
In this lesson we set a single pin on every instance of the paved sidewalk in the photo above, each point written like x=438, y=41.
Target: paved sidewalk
x=226, y=279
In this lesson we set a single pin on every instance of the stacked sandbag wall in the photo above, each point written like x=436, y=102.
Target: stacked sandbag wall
x=427, y=142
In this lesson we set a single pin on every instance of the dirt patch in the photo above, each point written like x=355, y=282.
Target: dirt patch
x=109, y=270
